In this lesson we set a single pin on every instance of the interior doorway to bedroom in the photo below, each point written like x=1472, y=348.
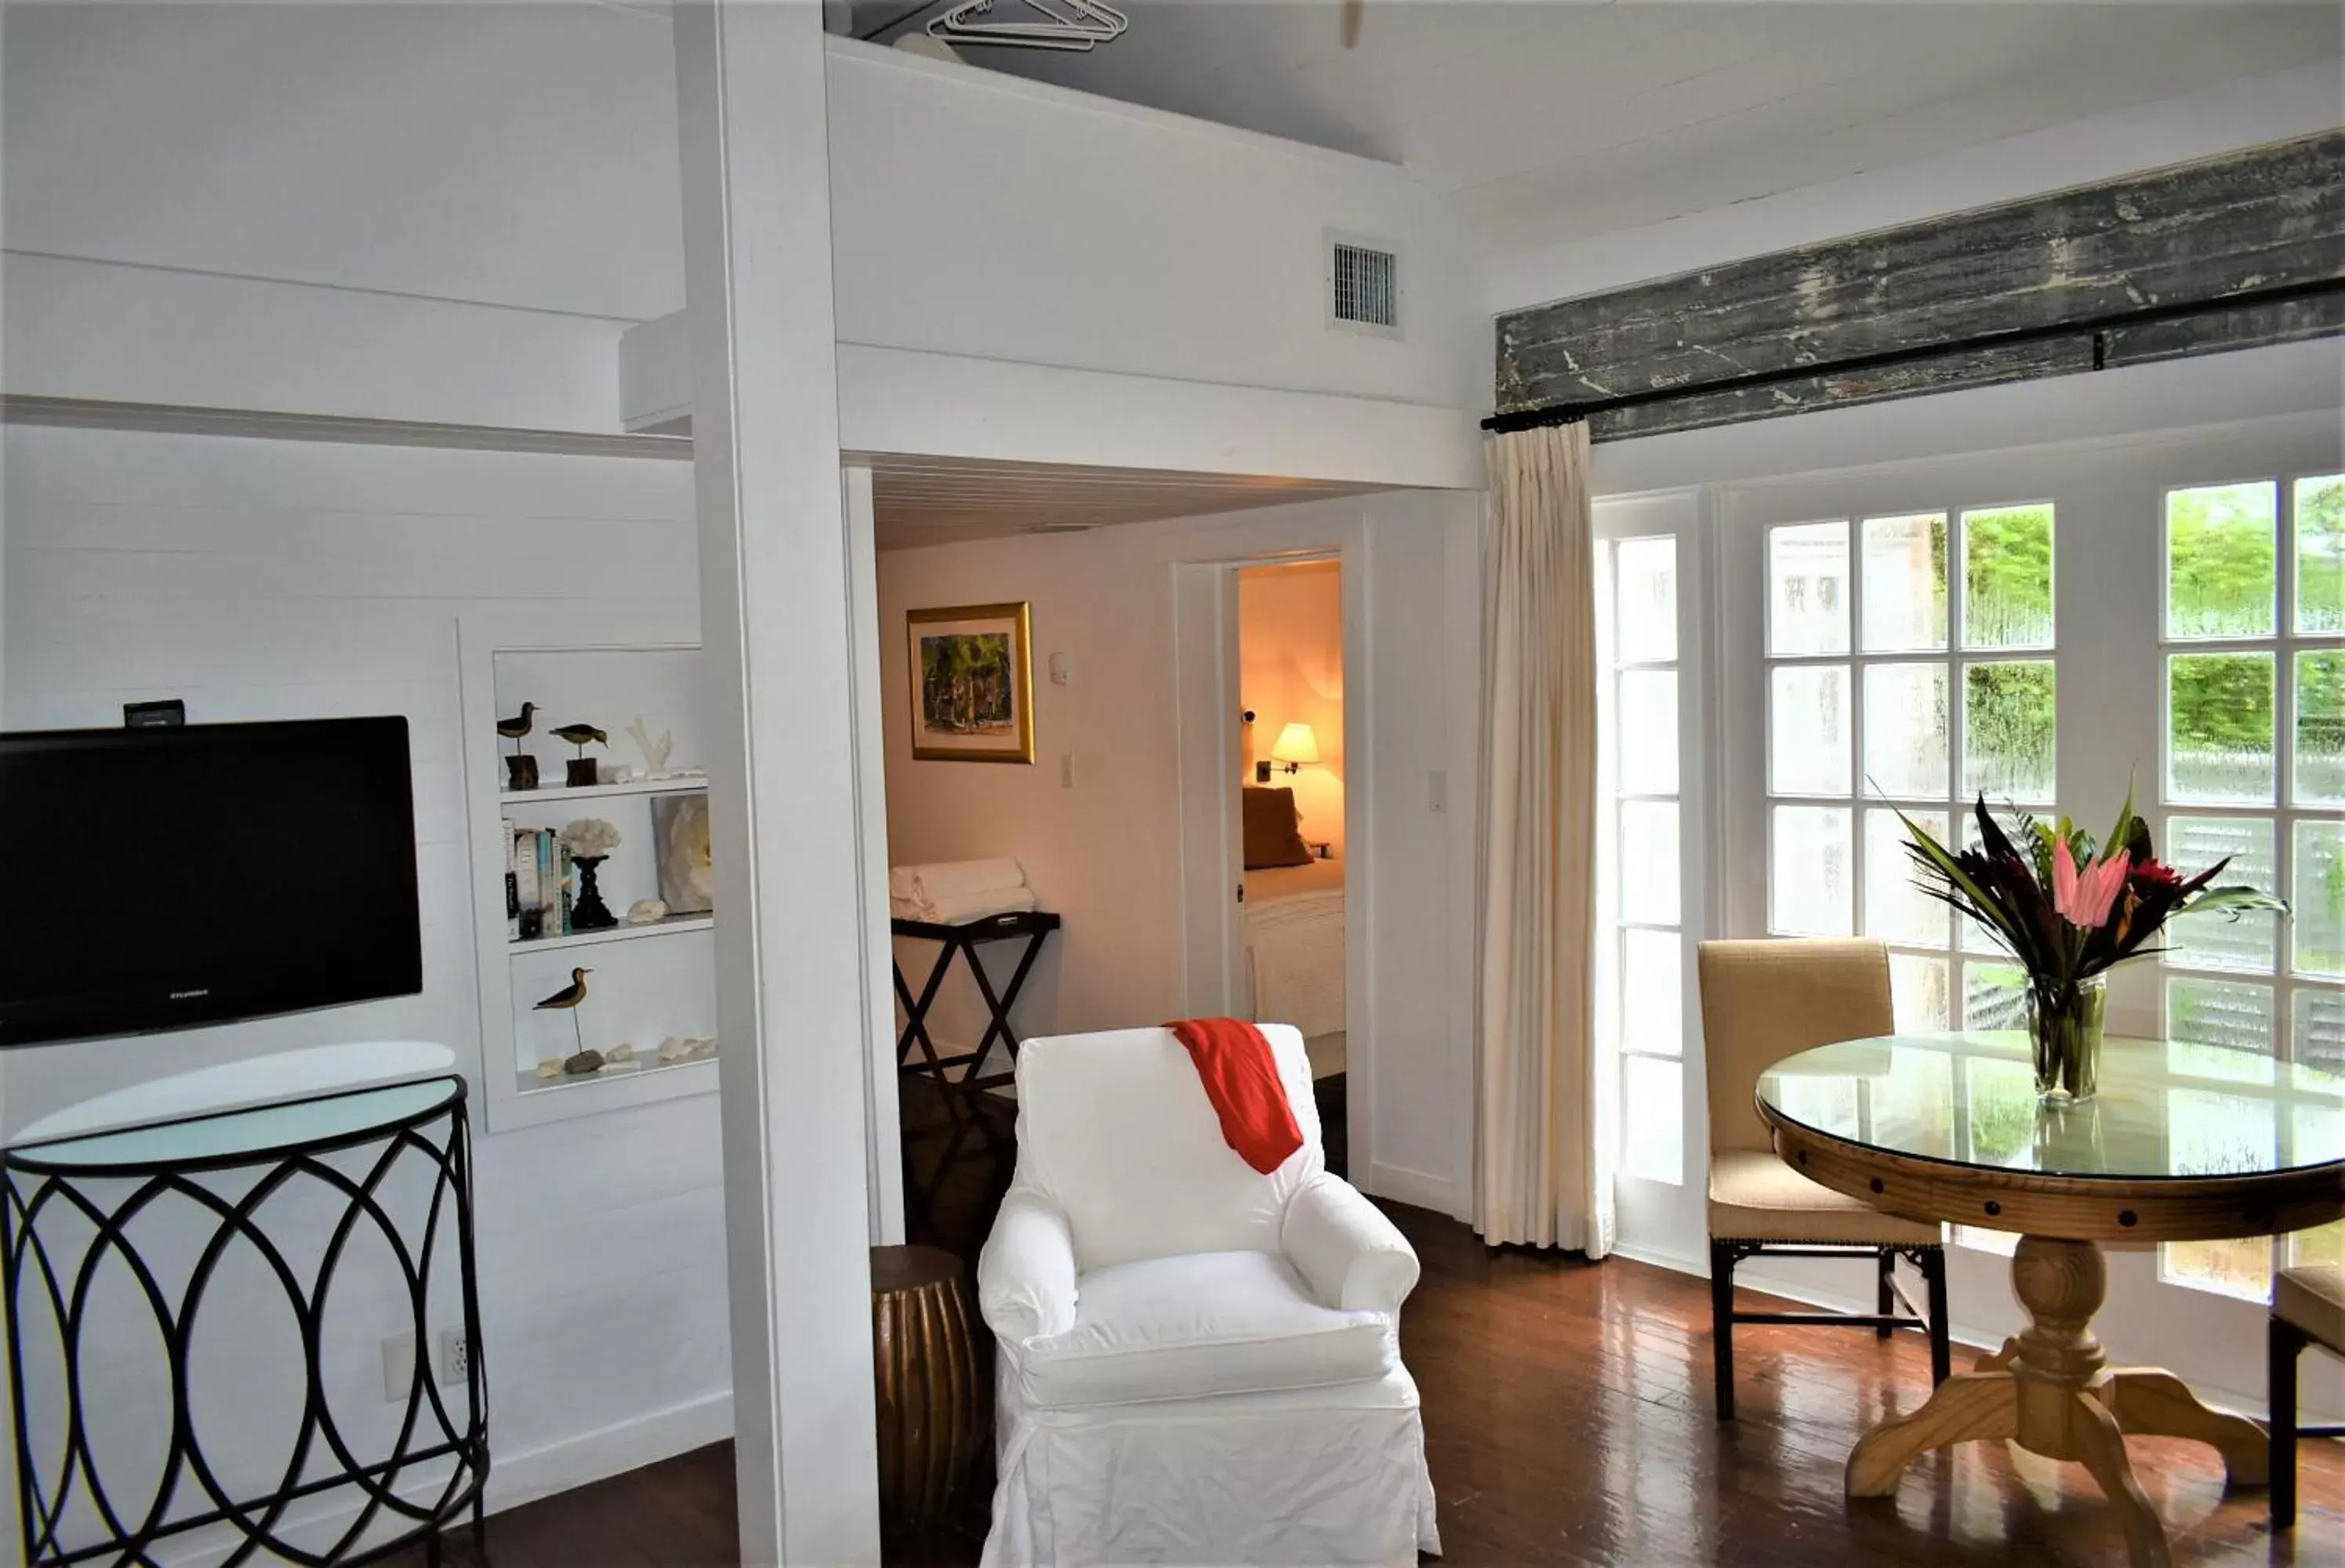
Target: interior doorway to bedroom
x=1290, y=803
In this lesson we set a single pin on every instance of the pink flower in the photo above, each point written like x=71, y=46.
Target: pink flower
x=2084, y=897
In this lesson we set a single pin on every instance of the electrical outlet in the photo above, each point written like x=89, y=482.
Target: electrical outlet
x=1066, y=770
x=398, y=1369
x=455, y=1355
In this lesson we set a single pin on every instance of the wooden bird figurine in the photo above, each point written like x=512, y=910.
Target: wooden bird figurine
x=580, y=734
x=520, y=724
x=567, y=1000
x=570, y=996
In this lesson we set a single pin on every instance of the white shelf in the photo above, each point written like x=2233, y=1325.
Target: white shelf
x=621, y=932
x=604, y=792
x=526, y=1083
x=647, y=669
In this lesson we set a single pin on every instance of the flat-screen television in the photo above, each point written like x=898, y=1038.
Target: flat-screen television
x=158, y=878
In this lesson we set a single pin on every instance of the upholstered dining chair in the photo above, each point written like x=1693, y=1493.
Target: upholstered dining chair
x=2308, y=1309
x=1761, y=1002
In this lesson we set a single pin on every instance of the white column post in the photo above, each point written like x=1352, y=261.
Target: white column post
x=791, y=964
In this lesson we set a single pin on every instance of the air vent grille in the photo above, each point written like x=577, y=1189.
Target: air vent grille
x=1362, y=286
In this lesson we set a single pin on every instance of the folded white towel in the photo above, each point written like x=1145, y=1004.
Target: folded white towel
x=904, y=884
x=950, y=878
x=960, y=908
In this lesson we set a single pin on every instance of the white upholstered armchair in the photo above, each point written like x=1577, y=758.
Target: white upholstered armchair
x=1199, y=1364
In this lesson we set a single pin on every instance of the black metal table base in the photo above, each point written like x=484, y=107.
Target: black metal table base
x=963, y=1097
x=67, y=1217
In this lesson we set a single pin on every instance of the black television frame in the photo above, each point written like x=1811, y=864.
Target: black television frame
x=392, y=879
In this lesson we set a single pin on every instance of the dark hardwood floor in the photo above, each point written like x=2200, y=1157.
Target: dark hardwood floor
x=1568, y=1422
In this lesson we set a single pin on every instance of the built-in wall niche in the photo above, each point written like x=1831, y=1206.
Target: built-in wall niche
x=650, y=982
x=656, y=689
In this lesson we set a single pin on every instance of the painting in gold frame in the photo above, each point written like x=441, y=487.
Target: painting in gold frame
x=971, y=677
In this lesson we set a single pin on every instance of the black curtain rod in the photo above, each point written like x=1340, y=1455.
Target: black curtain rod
x=2095, y=327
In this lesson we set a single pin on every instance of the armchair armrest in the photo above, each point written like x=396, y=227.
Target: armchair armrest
x=1353, y=1257
x=1026, y=1274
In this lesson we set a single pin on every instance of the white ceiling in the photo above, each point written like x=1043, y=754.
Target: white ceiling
x=918, y=501
x=1548, y=120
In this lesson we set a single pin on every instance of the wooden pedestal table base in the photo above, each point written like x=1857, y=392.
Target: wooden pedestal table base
x=2049, y=1390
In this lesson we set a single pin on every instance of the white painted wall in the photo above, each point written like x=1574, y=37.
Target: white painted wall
x=279, y=579
x=453, y=213
x=1029, y=273
x=433, y=212
x=1106, y=854
x=522, y=155
x=983, y=215
x=2101, y=446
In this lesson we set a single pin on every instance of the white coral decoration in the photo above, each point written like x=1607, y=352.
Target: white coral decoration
x=655, y=751
x=589, y=835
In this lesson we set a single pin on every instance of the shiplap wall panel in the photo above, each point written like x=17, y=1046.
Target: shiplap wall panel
x=2261, y=219
x=262, y=578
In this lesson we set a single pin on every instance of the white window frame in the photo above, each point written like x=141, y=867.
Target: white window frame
x=1956, y=658
x=2283, y=812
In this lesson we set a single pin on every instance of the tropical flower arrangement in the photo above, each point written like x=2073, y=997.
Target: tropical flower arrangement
x=2069, y=909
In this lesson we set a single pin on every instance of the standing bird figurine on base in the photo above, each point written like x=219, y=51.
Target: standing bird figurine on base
x=567, y=1000
x=581, y=770
x=521, y=769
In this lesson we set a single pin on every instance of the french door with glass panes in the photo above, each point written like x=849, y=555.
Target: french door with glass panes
x=2049, y=628
x=1652, y=888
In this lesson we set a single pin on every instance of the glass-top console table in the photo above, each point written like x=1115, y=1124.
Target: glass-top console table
x=185, y=1298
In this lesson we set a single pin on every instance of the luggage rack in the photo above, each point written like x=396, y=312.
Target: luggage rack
x=964, y=1097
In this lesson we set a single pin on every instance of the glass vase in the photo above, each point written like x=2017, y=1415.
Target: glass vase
x=2065, y=1022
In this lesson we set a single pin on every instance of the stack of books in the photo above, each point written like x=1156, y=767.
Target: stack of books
x=538, y=883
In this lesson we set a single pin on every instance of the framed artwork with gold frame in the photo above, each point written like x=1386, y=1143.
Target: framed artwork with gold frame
x=972, y=676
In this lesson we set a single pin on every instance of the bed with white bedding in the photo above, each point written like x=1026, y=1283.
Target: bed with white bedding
x=1294, y=945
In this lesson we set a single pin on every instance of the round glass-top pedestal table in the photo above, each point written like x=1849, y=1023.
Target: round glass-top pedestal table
x=1929, y=1126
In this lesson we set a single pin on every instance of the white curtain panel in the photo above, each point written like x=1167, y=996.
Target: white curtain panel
x=1544, y=1174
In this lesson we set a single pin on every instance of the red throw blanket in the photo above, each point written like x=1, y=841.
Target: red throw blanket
x=1241, y=1077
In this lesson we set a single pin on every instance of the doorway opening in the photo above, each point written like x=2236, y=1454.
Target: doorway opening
x=1293, y=963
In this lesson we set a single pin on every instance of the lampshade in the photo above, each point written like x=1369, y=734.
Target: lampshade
x=1296, y=743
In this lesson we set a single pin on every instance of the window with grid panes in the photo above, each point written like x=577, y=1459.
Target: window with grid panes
x=1645, y=932
x=2252, y=767
x=1909, y=668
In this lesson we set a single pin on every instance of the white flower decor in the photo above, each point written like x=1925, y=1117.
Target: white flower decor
x=589, y=835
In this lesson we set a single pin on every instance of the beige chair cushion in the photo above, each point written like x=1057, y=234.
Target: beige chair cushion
x=1757, y=1198
x=1763, y=1001
x=2313, y=1300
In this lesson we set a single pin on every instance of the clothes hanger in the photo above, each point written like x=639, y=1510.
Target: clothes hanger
x=1075, y=26
x=1090, y=23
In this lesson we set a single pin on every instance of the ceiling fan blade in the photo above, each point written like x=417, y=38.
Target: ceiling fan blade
x=1355, y=12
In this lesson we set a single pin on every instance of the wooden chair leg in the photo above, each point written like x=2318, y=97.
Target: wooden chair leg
x=1942, y=1348
x=2286, y=1343
x=1884, y=1292
x=1721, y=1325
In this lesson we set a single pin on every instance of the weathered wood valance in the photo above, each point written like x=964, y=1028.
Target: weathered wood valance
x=2231, y=252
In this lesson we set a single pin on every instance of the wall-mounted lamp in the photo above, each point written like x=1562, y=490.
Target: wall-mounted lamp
x=1296, y=745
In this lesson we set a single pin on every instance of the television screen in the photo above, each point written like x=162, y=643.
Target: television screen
x=159, y=878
